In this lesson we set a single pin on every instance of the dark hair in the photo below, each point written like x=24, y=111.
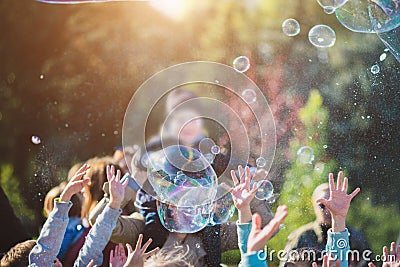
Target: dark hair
x=18, y=255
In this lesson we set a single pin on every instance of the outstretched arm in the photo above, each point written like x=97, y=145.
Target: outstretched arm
x=338, y=205
x=49, y=242
x=100, y=233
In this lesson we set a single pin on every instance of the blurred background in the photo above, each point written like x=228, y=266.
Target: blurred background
x=68, y=72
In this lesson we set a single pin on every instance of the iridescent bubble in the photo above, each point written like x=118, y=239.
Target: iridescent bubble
x=215, y=150
x=223, y=208
x=331, y=3
x=322, y=36
x=183, y=219
x=375, y=69
x=265, y=190
x=391, y=39
x=210, y=157
x=181, y=176
x=329, y=10
x=291, y=27
x=241, y=64
x=35, y=140
x=305, y=155
x=249, y=96
x=261, y=162
x=272, y=198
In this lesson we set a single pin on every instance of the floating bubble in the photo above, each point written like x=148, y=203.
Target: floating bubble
x=272, y=198
x=322, y=36
x=183, y=219
x=261, y=162
x=210, y=157
x=249, y=96
x=291, y=27
x=375, y=69
x=329, y=10
x=197, y=245
x=382, y=57
x=241, y=64
x=325, y=146
x=391, y=39
x=206, y=145
x=223, y=208
x=215, y=150
x=265, y=190
x=41, y=76
x=80, y=1
x=35, y=140
x=181, y=176
x=305, y=155
x=331, y=3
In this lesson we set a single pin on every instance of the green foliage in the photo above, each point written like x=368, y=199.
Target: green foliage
x=379, y=223
x=11, y=188
x=302, y=179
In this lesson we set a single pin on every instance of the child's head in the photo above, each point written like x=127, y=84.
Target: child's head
x=177, y=257
x=55, y=192
x=18, y=255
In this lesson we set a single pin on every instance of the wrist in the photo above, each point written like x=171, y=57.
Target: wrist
x=244, y=214
x=338, y=223
x=65, y=197
x=114, y=204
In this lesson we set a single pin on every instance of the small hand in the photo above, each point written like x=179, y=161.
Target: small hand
x=339, y=201
x=75, y=184
x=117, y=190
x=137, y=257
x=259, y=237
x=241, y=192
x=118, y=256
x=389, y=260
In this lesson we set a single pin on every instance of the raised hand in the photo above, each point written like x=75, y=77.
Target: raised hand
x=118, y=256
x=259, y=237
x=137, y=257
x=339, y=201
x=75, y=184
x=389, y=260
x=241, y=193
x=117, y=190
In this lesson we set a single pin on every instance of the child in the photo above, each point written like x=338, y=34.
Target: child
x=49, y=242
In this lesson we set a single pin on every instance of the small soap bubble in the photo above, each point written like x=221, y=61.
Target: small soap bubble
x=291, y=27
x=375, y=69
x=305, y=155
x=325, y=146
x=265, y=190
x=36, y=140
x=329, y=10
x=197, y=245
x=261, y=162
x=282, y=226
x=249, y=96
x=382, y=57
x=215, y=150
x=322, y=36
x=272, y=198
x=41, y=76
x=241, y=64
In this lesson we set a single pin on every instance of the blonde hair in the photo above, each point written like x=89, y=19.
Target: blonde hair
x=177, y=257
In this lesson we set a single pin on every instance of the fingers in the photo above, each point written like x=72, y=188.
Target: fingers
x=80, y=172
x=129, y=248
x=325, y=262
x=354, y=193
x=385, y=252
x=281, y=213
x=339, y=181
x=345, y=184
x=331, y=182
x=314, y=264
x=392, y=248
x=247, y=177
x=227, y=188
x=147, y=244
x=234, y=178
x=150, y=253
x=139, y=242
x=370, y=264
x=241, y=174
x=111, y=255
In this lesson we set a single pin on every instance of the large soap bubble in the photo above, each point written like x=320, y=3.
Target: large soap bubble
x=322, y=36
x=331, y=3
x=178, y=173
x=184, y=219
x=222, y=208
x=291, y=27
